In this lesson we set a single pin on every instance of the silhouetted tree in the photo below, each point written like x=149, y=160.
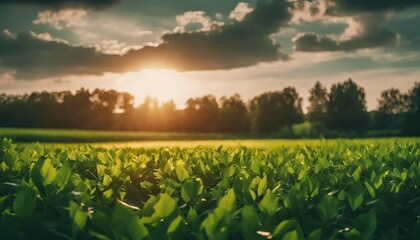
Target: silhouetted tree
x=318, y=100
x=412, y=120
x=233, y=115
x=273, y=111
x=391, y=110
x=346, y=108
x=202, y=114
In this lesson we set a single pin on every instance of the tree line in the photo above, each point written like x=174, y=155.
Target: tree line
x=342, y=109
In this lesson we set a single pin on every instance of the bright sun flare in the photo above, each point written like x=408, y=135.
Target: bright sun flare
x=162, y=84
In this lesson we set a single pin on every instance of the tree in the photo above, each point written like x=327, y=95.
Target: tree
x=273, y=111
x=233, y=115
x=318, y=100
x=202, y=114
x=392, y=108
x=77, y=109
x=346, y=108
x=412, y=119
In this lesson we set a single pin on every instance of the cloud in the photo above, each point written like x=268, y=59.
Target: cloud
x=114, y=47
x=61, y=18
x=364, y=31
x=240, y=11
x=234, y=45
x=35, y=56
x=366, y=24
x=195, y=21
x=348, y=7
x=63, y=4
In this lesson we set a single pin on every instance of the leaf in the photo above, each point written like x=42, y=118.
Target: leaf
x=366, y=224
x=355, y=197
x=100, y=169
x=293, y=235
x=191, y=189
x=165, y=206
x=77, y=215
x=370, y=189
x=136, y=230
x=377, y=181
x=174, y=225
x=287, y=226
x=249, y=222
x=107, y=180
x=327, y=209
x=269, y=203
x=315, y=235
x=43, y=174
x=25, y=201
x=63, y=176
x=192, y=217
x=227, y=203
x=108, y=193
x=262, y=185
x=356, y=173
x=48, y=172
x=181, y=173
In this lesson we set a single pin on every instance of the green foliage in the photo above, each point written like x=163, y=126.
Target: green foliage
x=25, y=202
x=360, y=189
x=191, y=189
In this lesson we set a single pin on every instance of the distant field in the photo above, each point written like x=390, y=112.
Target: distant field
x=81, y=136
x=234, y=143
x=153, y=139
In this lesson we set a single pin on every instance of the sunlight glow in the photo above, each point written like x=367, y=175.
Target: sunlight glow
x=162, y=84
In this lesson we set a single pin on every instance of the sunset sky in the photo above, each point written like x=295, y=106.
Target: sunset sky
x=176, y=49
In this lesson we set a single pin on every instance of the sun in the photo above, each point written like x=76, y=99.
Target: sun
x=163, y=84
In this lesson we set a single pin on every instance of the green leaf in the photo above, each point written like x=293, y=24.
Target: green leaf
x=136, y=230
x=25, y=201
x=43, y=173
x=269, y=203
x=165, y=206
x=227, y=203
x=287, y=226
x=191, y=189
x=108, y=193
x=192, y=217
x=293, y=235
x=315, y=235
x=262, y=185
x=328, y=208
x=48, y=172
x=249, y=223
x=377, y=181
x=107, y=180
x=355, y=197
x=181, y=173
x=63, y=176
x=366, y=224
x=370, y=189
x=174, y=225
x=77, y=215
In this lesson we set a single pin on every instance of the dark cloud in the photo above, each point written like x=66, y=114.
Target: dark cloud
x=370, y=34
x=240, y=44
x=371, y=17
x=58, y=4
x=340, y=7
x=31, y=57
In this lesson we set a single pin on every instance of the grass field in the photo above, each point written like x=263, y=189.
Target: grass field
x=213, y=189
x=81, y=136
